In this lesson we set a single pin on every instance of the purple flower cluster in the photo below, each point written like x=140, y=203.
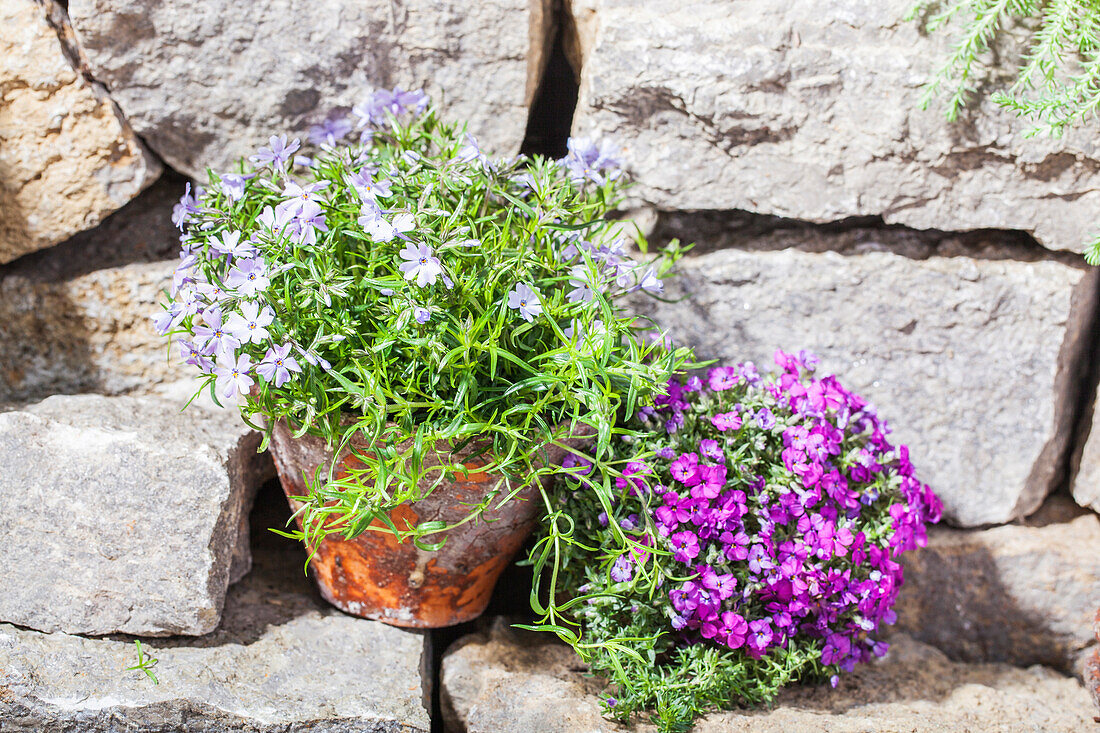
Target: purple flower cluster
x=592, y=160
x=783, y=501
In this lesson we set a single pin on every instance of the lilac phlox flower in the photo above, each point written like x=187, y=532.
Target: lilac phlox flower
x=194, y=356
x=275, y=219
x=525, y=299
x=250, y=325
x=578, y=334
x=212, y=336
x=277, y=153
x=187, y=206
x=168, y=319
x=309, y=220
x=277, y=365
x=249, y=277
x=381, y=230
x=368, y=189
x=315, y=359
x=629, y=523
x=211, y=291
x=471, y=151
x=749, y=373
x=233, y=376
x=421, y=314
x=592, y=161
x=332, y=129
x=298, y=196
x=685, y=546
x=382, y=102
x=182, y=275
x=229, y=244
x=420, y=264
x=233, y=186
x=650, y=283
x=579, y=279
x=621, y=571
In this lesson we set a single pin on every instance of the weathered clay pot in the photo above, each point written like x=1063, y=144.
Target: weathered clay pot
x=377, y=577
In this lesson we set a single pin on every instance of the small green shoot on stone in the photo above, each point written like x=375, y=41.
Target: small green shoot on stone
x=145, y=663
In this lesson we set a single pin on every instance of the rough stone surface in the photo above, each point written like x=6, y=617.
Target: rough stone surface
x=505, y=681
x=809, y=109
x=122, y=514
x=1021, y=595
x=67, y=158
x=76, y=318
x=1085, y=483
x=281, y=661
x=975, y=363
x=298, y=60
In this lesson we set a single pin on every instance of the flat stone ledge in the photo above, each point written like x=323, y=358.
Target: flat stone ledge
x=281, y=661
x=514, y=681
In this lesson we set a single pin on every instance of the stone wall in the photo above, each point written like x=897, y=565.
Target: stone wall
x=934, y=267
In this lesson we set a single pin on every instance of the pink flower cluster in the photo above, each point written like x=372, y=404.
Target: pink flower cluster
x=783, y=501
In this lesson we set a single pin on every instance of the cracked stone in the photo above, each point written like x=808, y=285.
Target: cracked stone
x=811, y=111
x=974, y=362
x=281, y=660
x=68, y=157
x=122, y=514
x=299, y=60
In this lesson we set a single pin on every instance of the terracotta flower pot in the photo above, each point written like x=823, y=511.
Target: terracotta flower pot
x=376, y=577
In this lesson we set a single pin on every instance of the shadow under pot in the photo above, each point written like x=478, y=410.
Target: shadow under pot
x=375, y=576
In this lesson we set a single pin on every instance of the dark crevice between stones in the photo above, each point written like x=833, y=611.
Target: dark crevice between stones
x=510, y=599
x=1088, y=381
x=713, y=230
x=555, y=99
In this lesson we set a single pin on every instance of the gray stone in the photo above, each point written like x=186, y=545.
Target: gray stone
x=1021, y=595
x=76, y=317
x=974, y=362
x=122, y=514
x=280, y=662
x=178, y=72
x=1086, y=463
x=68, y=157
x=809, y=109
x=504, y=680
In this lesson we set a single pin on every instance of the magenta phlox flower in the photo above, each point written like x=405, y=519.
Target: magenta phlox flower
x=722, y=378
x=420, y=264
x=685, y=546
x=634, y=474
x=250, y=325
x=711, y=449
x=233, y=376
x=277, y=366
x=709, y=482
x=525, y=299
x=726, y=421
x=685, y=469
x=248, y=278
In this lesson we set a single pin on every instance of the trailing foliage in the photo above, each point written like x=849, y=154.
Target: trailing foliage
x=1057, y=84
x=749, y=539
x=400, y=286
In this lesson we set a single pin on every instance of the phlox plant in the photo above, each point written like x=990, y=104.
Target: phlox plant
x=392, y=281
x=752, y=540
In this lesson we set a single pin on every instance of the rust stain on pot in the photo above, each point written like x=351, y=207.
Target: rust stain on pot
x=375, y=576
